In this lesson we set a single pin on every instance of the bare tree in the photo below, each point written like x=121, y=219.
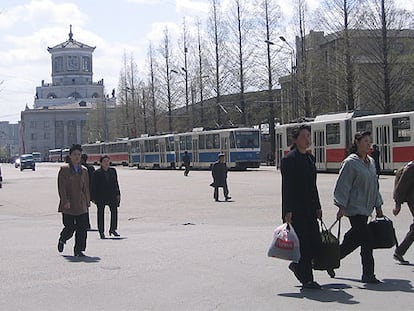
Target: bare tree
x=152, y=87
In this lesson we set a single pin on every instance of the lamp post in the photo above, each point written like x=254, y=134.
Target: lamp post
x=293, y=87
x=270, y=98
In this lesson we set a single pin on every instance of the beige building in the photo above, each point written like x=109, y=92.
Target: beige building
x=60, y=113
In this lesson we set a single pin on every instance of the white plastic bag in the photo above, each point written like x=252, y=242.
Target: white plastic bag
x=285, y=244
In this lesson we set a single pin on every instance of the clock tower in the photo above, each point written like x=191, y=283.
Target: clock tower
x=72, y=75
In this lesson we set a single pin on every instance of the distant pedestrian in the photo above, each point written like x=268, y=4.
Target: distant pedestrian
x=404, y=192
x=219, y=172
x=105, y=191
x=91, y=169
x=73, y=187
x=186, y=163
x=356, y=195
x=375, y=154
x=300, y=203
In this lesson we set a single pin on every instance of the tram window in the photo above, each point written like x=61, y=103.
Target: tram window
x=333, y=135
x=189, y=143
x=401, y=129
x=202, y=142
x=232, y=140
x=216, y=141
x=182, y=143
x=363, y=126
x=209, y=141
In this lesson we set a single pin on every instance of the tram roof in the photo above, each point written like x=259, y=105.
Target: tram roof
x=342, y=115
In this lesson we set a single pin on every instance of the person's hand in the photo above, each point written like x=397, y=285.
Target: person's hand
x=379, y=212
x=340, y=213
x=288, y=218
x=396, y=209
x=319, y=213
x=67, y=205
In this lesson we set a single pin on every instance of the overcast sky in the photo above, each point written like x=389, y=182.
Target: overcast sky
x=27, y=28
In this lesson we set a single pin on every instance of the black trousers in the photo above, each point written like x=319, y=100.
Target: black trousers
x=187, y=169
x=75, y=224
x=409, y=238
x=359, y=235
x=225, y=190
x=307, y=229
x=101, y=217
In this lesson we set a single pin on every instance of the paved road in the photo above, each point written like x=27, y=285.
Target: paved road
x=179, y=251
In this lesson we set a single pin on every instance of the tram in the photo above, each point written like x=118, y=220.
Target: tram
x=332, y=136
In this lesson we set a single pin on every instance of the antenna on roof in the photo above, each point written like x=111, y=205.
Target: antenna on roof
x=70, y=33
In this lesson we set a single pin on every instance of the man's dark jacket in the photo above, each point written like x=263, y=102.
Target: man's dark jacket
x=219, y=172
x=105, y=190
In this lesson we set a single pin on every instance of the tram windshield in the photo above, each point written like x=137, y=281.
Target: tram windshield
x=244, y=139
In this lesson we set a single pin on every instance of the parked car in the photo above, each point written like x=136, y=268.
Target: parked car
x=27, y=161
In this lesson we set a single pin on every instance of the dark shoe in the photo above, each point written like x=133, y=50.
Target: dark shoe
x=311, y=285
x=293, y=268
x=217, y=200
x=228, y=198
x=61, y=245
x=371, y=279
x=331, y=273
x=102, y=235
x=79, y=254
x=114, y=233
x=401, y=259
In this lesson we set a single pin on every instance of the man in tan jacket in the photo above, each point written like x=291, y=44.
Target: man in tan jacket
x=73, y=188
x=404, y=192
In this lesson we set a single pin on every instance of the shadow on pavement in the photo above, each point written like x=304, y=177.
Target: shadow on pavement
x=329, y=293
x=116, y=238
x=391, y=285
x=87, y=259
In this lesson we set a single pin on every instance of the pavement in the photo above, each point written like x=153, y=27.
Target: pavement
x=179, y=250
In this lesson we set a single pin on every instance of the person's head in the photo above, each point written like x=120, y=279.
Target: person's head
x=84, y=158
x=105, y=162
x=375, y=147
x=75, y=154
x=221, y=157
x=301, y=136
x=362, y=143
x=186, y=152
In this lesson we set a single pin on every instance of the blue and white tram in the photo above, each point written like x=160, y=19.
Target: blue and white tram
x=240, y=145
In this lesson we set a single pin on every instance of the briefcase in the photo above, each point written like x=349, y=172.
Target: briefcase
x=383, y=233
x=328, y=256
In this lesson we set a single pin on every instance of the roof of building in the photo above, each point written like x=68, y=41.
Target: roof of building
x=71, y=44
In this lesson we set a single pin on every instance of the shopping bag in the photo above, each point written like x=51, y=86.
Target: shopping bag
x=383, y=233
x=328, y=255
x=285, y=244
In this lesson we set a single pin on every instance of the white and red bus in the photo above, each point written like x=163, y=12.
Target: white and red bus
x=55, y=155
x=117, y=152
x=332, y=136
x=94, y=152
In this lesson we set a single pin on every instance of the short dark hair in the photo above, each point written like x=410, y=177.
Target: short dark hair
x=105, y=156
x=296, y=131
x=357, y=137
x=75, y=147
x=84, y=156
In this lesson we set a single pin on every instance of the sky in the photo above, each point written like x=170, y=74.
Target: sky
x=115, y=27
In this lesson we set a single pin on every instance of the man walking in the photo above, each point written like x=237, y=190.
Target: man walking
x=186, y=162
x=219, y=172
x=404, y=192
x=73, y=188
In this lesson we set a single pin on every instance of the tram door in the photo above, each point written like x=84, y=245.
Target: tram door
x=225, y=148
x=383, y=141
x=279, y=149
x=319, y=149
x=195, y=151
x=162, y=152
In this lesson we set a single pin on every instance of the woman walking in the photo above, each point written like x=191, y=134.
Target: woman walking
x=356, y=195
x=300, y=203
x=105, y=191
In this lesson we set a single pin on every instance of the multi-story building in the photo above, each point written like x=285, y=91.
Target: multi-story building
x=320, y=81
x=60, y=113
x=9, y=139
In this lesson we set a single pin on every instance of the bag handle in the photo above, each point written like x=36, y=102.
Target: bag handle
x=330, y=228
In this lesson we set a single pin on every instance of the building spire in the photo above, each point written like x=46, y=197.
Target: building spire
x=70, y=33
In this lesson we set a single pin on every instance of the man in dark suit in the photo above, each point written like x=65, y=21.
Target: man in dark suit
x=219, y=172
x=105, y=191
x=186, y=162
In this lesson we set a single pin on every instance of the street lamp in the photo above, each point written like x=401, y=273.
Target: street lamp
x=293, y=88
x=270, y=98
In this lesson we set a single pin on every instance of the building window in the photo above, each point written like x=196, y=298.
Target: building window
x=401, y=130
x=33, y=124
x=58, y=63
x=33, y=136
x=333, y=135
x=86, y=64
x=46, y=135
x=46, y=124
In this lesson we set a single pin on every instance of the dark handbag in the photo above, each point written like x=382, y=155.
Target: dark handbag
x=383, y=233
x=328, y=256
